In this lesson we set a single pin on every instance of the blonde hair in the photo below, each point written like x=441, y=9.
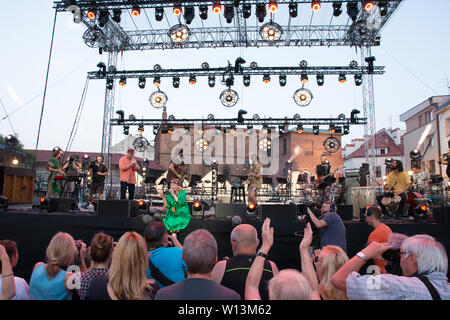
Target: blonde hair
x=60, y=251
x=289, y=284
x=128, y=271
x=333, y=259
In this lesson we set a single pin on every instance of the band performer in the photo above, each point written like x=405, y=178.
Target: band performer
x=254, y=178
x=177, y=215
x=98, y=173
x=324, y=178
x=55, y=185
x=176, y=169
x=128, y=167
x=71, y=168
x=445, y=160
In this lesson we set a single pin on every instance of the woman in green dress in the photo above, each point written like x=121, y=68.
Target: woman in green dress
x=178, y=214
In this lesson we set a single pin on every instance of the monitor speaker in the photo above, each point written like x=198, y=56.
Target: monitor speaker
x=345, y=211
x=61, y=205
x=279, y=212
x=229, y=210
x=117, y=208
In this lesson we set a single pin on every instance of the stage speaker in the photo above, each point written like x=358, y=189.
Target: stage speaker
x=279, y=212
x=345, y=211
x=117, y=208
x=229, y=210
x=61, y=205
x=438, y=214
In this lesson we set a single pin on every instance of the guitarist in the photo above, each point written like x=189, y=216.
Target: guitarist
x=324, y=178
x=176, y=169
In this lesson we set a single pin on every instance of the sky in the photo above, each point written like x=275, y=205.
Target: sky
x=414, y=49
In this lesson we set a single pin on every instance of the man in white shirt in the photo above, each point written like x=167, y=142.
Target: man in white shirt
x=22, y=288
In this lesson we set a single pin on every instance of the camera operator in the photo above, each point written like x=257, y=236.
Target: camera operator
x=392, y=256
x=332, y=228
x=98, y=172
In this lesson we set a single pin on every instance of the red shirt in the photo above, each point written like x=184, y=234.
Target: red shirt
x=380, y=235
x=127, y=173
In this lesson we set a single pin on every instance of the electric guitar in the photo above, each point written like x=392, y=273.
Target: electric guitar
x=320, y=180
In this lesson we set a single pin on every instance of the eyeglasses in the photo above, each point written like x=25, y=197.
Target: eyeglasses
x=405, y=253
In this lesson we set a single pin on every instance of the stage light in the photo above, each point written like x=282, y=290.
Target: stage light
x=246, y=11
x=15, y=162
x=342, y=78
x=303, y=64
x=123, y=81
x=203, y=12
x=211, y=81
x=201, y=144
x=316, y=129
x=142, y=81
x=229, y=81
x=420, y=212
x=116, y=15
x=201, y=131
x=332, y=128
x=341, y=116
x=103, y=18
x=315, y=5
x=358, y=79
x=179, y=34
x=155, y=132
x=229, y=97
x=265, y=127
x=192, y=80
x=187, y=129
x=353, y=64
x=273, y=6
x=353, y=116
x=320, y=80
x=189, y=14
x=210, y=116
x=296, y=116
x=352, y=10
x=415, y=155
x=253, y=65
x=283, y=80
x=383, y=8
x=246, y=79
x=176, y=82
x=370, y=61
x=232, y=128
x=157, y=67
x=43, y=203
x=141, y=128
x=299, y=128
x=205, y=65
x=304, y=78
x=157, y=81
x=337, y=9
x=91, y=14
x=170, y=129
x=261, y=12
x=228, y=13
x=293, y=11
x=159, y=13
x=302, y=97
x=266, y=78
x=126, y=130
x=251, y=207
x=218, y=130
x=136, y=11
x=265, y=144
x=346, y=129
x=197, y=206
x=217, y=8
x=281, y=129
x=368, y=6
x=158, y=99
x=256, y=117
x=271, y=31
x=121, y=114
x=177, y=10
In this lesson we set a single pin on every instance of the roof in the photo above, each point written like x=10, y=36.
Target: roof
x=382, y=140
x=444, y=105
x=423, y=105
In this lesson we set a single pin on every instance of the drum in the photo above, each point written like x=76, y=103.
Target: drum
x=386, y=201
x=361, y=197
x=397, y=199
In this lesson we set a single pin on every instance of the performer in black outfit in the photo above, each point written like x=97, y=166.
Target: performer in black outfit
x=445, y=160
x=176, y=169
x=324, y=178
x=98, y=174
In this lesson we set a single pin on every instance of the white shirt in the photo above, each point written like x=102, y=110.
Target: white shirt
x=22, y=289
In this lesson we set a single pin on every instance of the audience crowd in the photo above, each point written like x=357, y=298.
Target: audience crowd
x=156, y=266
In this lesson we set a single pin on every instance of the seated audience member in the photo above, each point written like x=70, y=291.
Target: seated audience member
x=380, y=233
x=22, y=289
x=50, y=281
x=424, y=264
x=166, y=264
x=288, y=284
x=8, y=284
x=233, y=272
x=328, y=261
x=127, y=275
x=332, y=228
x=200, y=255
x=100, y=252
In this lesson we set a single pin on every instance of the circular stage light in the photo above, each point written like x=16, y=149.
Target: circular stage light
x=229, y=98
x=201, y=144
x=141, y=144
x=158, y=99
x=179, y=34
x=210, y=116
x=271, y=31
x=265, y=144
x=256, y=117
x=296, y=116
x=302, y=97
x=331, y=144
x=94, y=37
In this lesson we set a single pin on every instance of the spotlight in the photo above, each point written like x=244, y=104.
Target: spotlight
x=370, y=61
x=352, y=10
x=142, y=81
x=197, y=206
x=218, y=130
x=43, y=203
x=316, y=129
x=229, y=97
x=283, y=80
x=246, y=11
x=266, y=78
x=273, y=6
x=256, y=117
x=368, y=6
x=123, y=81
x=353, y=117
x=116, y=15
x=170, y=129
x=337, y=9
x=121, y=114
x=187, y=129
x=281, y=129
x=142, y=205
x=103, y=18
x=265, y=144
x=159, y=14
x=246, y=79
x=251, y=207
x=228, y=13
x=126, y=130
x=15, y=162
x=205, y=65
x=383, y=8
x=210, y=116
x=415, y=155
x=176, y=82
x=302, y=97
x=217, y=8
x=157, y=67
x=353, y=64
x=177, y=10
x=109, y=84
x=265, y=127
x=238, y=65
x=299, y=128
x=91, y=14
x=136, y=11
x=358, y=79
x=250, y=129
x=304, y=78
x=141, y=128
x=420, y=213
x=232, y=128
x=261, y=12
x=158, y=99
x=211, y=81
x=341, y=116
x=332, y=128
x=346, y=129
x=315, y=5
x=230, y=81
x=320, y=80
x=157, y=81
x=192, y=80
x=189, y=14
x=203, y=12
x=201, y=144
x=303, y=64
x=179, y=34
x=293, y=10
x=342, y=78
x=253, y=65
x=270, y=31
x=296, y=116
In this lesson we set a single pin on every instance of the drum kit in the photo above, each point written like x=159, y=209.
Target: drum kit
x=361, y=198
x=391, y=201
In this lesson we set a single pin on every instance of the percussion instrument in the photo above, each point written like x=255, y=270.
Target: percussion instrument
x=361, y=197
x=411, y=200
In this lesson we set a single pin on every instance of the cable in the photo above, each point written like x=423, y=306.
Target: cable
x=13, y=131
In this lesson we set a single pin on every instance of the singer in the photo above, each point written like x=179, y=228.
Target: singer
x=128, y=167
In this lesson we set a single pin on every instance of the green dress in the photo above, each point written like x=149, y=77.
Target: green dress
x=54, y=186
x=177, y=213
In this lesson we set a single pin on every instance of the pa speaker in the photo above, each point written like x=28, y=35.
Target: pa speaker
x=279, y=212
x=229, y=210
x=439, y=214
x=117, y=208
x=345, y=211
x=61, y=205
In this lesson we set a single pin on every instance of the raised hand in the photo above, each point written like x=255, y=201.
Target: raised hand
x=307, y=237
x=267, y=236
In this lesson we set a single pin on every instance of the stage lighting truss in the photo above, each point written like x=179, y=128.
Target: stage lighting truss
x=229, y=97
x=331, y=144
x=303, y=97
x=271, y=31
x=179, y=34
x=140, y=144
x=158, y=99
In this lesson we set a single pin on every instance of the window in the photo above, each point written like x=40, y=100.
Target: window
x=420, y=120
x=429, y=116
x=378, y=172
x=431, y=141
x=383, y=151
x=431, y=166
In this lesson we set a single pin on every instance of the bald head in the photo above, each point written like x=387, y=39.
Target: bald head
x=244, y=239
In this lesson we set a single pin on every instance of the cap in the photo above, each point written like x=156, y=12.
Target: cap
x=130, y=151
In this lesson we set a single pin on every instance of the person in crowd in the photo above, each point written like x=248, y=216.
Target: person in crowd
x=22, y=289
x=328, y=261
x=393, y=259
x=200, y=255
x=380, y=233
x=51, y=281
x=165, y=252
x=54, y=166
x=8, y=284
x=127, y=275
x=128, y=167
x=331, y=226
x=100, y=250
x=177, y=215
x=288, y=284
x=233, y=272
x=424, y=264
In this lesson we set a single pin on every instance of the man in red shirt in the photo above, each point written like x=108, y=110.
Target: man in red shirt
x=380, y=234
x=128, y=167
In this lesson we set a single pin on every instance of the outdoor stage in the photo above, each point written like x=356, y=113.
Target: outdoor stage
x=33, y=231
